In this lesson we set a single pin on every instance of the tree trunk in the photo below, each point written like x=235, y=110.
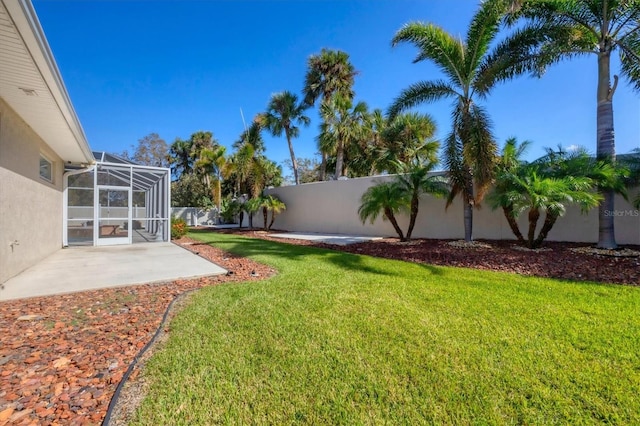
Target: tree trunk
x=241, y=215
x=413, y=214
x=534, y=215
x=265, y=214
x=468, y=210
x=323, y=168
x=513, y=223
x=339, y=159
x=273, y=218
x=389, y=214
x=549, y=221
x=250, y=220
x=606, y=147
x=294, y=163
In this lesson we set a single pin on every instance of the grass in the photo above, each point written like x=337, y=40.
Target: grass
x=337, y=338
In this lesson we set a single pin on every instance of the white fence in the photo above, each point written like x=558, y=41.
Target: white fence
x=195, y=216
x=332, y=207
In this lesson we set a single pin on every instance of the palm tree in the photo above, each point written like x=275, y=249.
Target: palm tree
x=329, y=73
x=470, y=151
x=213, y=162
x=563, y=29
x=548, y=184
x=408, y=138
x=388, y=198
x=180, y=159
x=282, y=114
x=509, y=165
x=633, y=180
x=417, y=180
x=537, y=193
x=251, y=206
x=342, y=125
x=276, y=206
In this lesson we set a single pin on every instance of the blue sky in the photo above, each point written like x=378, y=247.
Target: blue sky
x=176, y=67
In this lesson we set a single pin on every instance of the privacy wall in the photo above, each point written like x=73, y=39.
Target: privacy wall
x=332, y=207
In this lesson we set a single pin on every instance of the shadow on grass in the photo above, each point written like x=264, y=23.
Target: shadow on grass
x=250, y=247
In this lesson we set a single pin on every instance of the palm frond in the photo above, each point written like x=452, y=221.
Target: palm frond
x=424, y=91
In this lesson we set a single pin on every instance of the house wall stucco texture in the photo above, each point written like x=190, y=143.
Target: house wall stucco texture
x=332, y=207
x=30, y=207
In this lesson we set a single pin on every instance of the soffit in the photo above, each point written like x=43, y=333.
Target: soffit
x=32, y=86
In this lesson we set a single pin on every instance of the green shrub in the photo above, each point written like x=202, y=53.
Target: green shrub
x=178, y=228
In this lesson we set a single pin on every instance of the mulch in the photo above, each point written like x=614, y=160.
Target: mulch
x=62, y=357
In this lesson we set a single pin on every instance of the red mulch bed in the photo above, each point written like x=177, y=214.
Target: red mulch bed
x=63, y=365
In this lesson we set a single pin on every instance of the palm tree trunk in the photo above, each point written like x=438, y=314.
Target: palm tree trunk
x=468, y=211
x=389, y=214
x=534, y=215
x=339, y=159
x=323, y=168
x=549, y=221
x=273, y=218
x=265, y=214
x=294, y=163
x=513, y=224
x=413, y=214
x=606, y=147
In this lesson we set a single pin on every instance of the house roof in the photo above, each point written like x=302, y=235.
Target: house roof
x=31, y=84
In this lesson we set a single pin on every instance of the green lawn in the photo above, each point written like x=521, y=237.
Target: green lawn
x=337, y=338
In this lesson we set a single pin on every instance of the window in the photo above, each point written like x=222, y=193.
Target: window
x=46, y=169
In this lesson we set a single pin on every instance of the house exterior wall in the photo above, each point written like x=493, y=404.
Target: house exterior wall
x=332, y=207
x=30, y=207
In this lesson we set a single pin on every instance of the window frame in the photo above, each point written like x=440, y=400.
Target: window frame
x=46, y=159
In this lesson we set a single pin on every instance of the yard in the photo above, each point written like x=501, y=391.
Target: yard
x=340, y=338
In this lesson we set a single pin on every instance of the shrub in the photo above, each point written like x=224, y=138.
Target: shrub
x=178, y=227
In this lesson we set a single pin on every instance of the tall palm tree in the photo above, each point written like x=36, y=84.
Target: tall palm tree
x=388, y=198
x=563, y=29
x=342, y=125
x=329, y=73
x=283, y=113
x=470, y=151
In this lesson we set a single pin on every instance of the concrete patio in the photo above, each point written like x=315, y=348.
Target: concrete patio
x=88, y=268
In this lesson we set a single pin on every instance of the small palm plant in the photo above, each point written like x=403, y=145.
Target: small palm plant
x=251, y=206
x=271, y=203
x=388, y=198
x=417, y=180
x=547, y=185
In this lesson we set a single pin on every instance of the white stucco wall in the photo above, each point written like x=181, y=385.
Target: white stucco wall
x=332, y=207
x=30, y=207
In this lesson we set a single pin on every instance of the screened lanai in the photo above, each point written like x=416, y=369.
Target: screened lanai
x=116, y=202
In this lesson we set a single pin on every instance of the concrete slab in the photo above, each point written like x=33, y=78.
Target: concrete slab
x=89, y=268
x=337, y=239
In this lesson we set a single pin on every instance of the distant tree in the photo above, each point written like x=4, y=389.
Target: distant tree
x=180, y=158
x=307, y=169
x=329, y=73
x=282, y=115
x=342, y=125
x=190, y=191
x=151, y=150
